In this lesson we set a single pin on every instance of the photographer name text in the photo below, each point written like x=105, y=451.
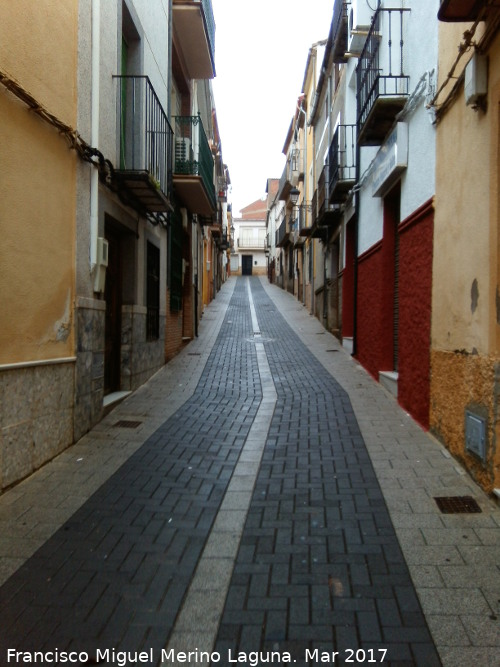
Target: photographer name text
x=252, y=658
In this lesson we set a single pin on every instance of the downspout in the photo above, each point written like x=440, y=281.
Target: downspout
x=326, y=248
x=94, y=131
x=304, y=204
x=355, y=244
x=169, y=71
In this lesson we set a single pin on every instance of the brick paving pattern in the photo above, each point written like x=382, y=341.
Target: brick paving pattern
x=318, y=567
x=115, y=575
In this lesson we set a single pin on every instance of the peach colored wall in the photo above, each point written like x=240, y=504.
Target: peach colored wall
x=38, y=48
x=465, y=368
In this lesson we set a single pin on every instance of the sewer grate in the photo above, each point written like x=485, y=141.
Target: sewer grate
x=194, y=354
x=458, y=505
x=123, y=423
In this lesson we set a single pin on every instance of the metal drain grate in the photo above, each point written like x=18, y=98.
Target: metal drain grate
x=194, y=354
x=458, y=505
x=123, y=423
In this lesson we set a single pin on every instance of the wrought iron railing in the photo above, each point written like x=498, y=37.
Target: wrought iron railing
x=145, y=133
x=210, y=23
x=305, y=216
x=322, y=202
x=281, y=232
x=342, y=156
x=339, y=24
x=380, y=71
x=192, y=152
x=252, y=243
x=314, y=207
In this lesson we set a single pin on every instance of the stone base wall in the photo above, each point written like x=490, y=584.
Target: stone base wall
x=36, y=417
x=89, y=373
x=460, y=382
x=140, y=358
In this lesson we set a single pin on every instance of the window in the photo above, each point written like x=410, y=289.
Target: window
x=153, y=293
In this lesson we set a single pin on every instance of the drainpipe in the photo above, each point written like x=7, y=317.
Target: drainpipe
x=305, y=199
x=94, y=132
x=356, y=243
x=169, y=71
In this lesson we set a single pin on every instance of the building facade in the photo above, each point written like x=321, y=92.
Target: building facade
x=466, y=267
x=37, y=225
x=250, y=254
x=108, y=250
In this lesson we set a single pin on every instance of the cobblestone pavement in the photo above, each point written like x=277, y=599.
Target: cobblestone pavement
x=260, y=493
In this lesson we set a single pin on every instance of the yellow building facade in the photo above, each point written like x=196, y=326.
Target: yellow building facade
x=37, y=227
x=465, y=369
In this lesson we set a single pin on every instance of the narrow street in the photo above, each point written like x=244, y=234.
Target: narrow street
x=261, y=493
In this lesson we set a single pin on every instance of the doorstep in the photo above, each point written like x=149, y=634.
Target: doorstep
x=389, y=380
x=110, y=401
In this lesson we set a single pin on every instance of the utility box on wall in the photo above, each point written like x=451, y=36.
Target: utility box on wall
x=476, y=80
x=475, y=435
x=101, y=264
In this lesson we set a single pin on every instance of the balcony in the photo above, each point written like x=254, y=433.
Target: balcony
x=283, y=235
x=382, y=85
x=194, y=30
x=305, y=218
x=342, y=163
x=251, y=244
x=194, y=166
x=324, y=214
x=144, y=177
x=292, y=174
x=460, y=10
x=284, y=185
x=339, y=26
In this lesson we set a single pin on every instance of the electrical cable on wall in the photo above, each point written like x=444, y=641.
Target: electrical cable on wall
x=75, y=141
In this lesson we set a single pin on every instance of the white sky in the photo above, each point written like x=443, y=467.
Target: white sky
x=261, y=50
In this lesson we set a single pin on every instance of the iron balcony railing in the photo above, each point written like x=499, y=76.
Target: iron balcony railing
x=305, y=213
x=284, y=186
x=293, y=223
x=192, y=152
x=322, y=201
x=210, y=24
x=342, y=161
x=291, y=173
x=339, y=27
x=314, y=207
x=380, y=71
x=281, y=232
x=258, y=244
x=145, y=133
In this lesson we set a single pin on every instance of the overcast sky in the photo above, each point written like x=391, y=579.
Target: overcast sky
x=261, y=50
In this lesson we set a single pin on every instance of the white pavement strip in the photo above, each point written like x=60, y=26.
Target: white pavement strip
x=198, y=620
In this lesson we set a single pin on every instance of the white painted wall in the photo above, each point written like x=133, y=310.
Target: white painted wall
x=418, y=180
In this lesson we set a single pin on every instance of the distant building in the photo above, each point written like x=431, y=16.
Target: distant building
x=249, y=256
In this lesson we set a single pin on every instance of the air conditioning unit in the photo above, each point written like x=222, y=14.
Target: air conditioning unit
x=360, y=18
